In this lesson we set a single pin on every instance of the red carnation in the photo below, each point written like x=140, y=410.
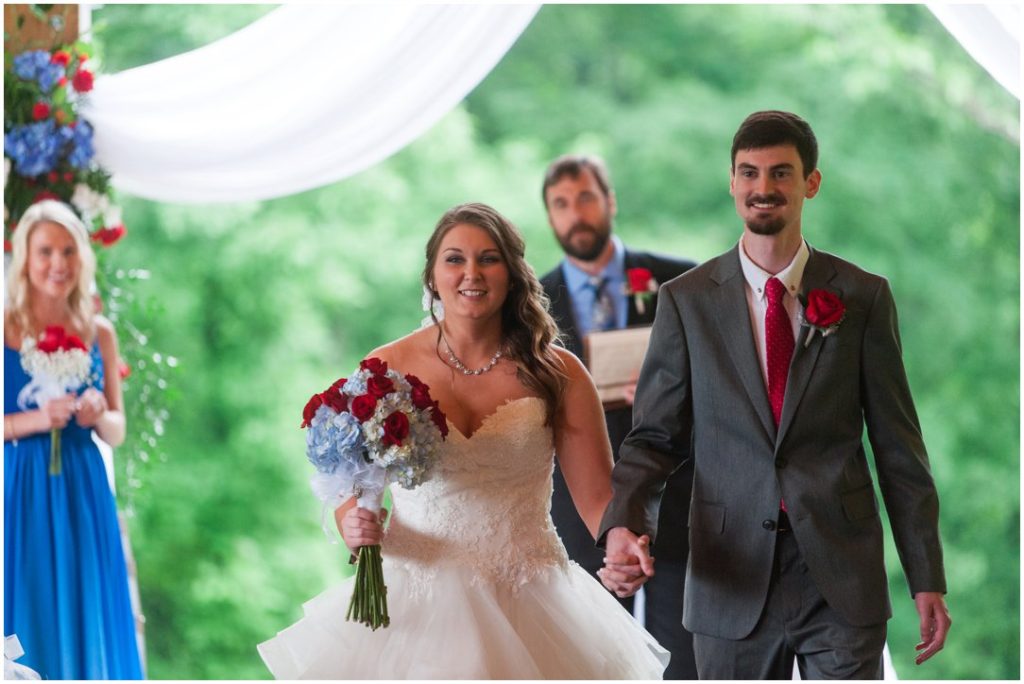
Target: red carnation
x=108, y=236
x=363, y=406
x=82, y=81
x=60, y=57
x=396, y=429
x=335, y=400
x=315, y=402
x=374, y=365
x=379, y=386
x=40, y=110
x=421, y=396
x=437, y=415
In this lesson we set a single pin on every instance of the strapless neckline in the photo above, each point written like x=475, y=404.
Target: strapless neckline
x=489, y=417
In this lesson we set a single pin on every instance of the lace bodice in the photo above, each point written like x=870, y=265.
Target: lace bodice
x=487, y=505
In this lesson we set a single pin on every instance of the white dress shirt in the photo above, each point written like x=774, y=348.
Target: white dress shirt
x=757, y=300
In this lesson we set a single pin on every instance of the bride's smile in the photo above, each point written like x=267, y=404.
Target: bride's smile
x=470, y=275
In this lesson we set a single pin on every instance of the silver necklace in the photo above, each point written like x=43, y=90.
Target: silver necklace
x=454, y=360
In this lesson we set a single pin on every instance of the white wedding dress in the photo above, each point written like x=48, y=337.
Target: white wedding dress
x=479, y=584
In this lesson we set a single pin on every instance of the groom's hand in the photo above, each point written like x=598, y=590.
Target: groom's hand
x=627, y=563
x=935, y=623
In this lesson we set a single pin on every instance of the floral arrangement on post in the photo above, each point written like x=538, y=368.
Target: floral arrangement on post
x=48, y=150
x=58, y=363
x=374, y=428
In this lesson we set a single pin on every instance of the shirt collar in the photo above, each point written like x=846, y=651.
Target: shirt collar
x=790, y=276
x=577, y=279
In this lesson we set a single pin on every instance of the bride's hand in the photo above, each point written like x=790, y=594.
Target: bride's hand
x=360, y=527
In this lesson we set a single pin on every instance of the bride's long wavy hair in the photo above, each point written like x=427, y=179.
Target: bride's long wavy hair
x=526, y=325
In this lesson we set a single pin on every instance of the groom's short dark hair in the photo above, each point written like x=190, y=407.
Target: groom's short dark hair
x=772, y=127
x=572, y=165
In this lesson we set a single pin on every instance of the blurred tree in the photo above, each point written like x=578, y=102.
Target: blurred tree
x=267, y=302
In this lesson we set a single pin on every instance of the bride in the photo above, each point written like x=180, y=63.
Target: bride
x=479, y=585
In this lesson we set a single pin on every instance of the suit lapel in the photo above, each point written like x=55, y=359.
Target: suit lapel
x=733, y=316
x=817, y=274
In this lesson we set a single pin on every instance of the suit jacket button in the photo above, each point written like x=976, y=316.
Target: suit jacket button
x=780, y=463
x=768, y=525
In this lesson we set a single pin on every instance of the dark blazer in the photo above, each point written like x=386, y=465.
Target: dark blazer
x=675, y=506
x=702, y=398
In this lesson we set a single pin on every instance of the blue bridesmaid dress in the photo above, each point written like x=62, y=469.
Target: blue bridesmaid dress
x=65, y=580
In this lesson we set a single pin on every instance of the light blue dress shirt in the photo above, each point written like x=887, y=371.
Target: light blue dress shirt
x=578, y=283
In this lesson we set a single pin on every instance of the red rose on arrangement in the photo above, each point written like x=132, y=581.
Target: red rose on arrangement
x=363, y=406
x=421, y=397
x=315, y=402
x=51, y=340
x=824, y=309
x=40, y=110
x=379, y=386
x=335, y=400
x=82, y=81
x=437, y=415
x=68, y=176
x=338, y=384
x=73, y=342
x=60, y=57
x=374, y=365
x=108, y=236
x=396, y=428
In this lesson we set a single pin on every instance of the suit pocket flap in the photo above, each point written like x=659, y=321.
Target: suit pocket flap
x=708, y=516
x=860, y=503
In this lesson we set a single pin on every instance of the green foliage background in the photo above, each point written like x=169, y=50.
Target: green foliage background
x=266, y=302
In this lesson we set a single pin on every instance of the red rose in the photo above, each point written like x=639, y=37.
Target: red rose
x=338, y=384
x=437, y=415
x=374, y=365
x=639, y=279
x=73, y=342
x=335, y=400
x=824, y=309
x=363, y=406
x=421, y=396
x=82, y=81
x=315, y=402
x=109, y=236
x=40, y=110
x=60, y=57
x=52, y=339
x=396, y=429
x=379, y=386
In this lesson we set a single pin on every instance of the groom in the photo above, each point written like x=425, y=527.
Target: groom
x=765, y=366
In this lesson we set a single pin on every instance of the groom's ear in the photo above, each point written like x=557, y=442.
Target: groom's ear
x=813, y=184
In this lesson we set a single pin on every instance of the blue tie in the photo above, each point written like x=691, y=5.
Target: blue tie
x=602, y=315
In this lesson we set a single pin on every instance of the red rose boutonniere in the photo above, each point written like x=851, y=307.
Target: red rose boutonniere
x=642, y=285
x=823, y=312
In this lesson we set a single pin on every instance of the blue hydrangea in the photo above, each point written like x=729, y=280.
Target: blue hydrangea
x=35, y=148
x=35, y=65
x=82, y=152
x=333, y=439
x=48, y=76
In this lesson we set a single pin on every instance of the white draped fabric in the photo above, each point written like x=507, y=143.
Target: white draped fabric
x=991, y=36
x=303, y=97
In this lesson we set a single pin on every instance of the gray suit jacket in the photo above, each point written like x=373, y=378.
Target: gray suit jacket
x=702, y=396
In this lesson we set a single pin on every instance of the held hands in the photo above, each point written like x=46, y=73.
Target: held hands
x=59, y=411
x=935, y=623
x=90, y=407
x=627, y=563
x=359, y=527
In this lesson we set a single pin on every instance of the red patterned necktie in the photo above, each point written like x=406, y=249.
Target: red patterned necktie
x=778, y=333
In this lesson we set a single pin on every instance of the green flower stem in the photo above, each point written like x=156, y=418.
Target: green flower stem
x=369, y=595
x=55, y=464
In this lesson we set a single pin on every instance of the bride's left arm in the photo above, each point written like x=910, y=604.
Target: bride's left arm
x=582, y=445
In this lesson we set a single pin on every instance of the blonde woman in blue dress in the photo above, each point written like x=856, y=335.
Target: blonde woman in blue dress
x=479, y=584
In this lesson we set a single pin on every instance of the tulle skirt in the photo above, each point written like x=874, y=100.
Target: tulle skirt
x=560, y=625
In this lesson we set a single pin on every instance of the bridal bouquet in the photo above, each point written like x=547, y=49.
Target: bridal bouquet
x=58, y=363
x=374, y=428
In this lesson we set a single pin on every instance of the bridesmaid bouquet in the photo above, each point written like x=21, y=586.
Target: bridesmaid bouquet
x=374, y=428
x=58, y=363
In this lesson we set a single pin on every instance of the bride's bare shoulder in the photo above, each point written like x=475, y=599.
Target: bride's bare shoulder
x=409, y=351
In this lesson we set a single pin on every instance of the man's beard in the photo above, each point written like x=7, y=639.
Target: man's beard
x=601, y=234
x=766, y=226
